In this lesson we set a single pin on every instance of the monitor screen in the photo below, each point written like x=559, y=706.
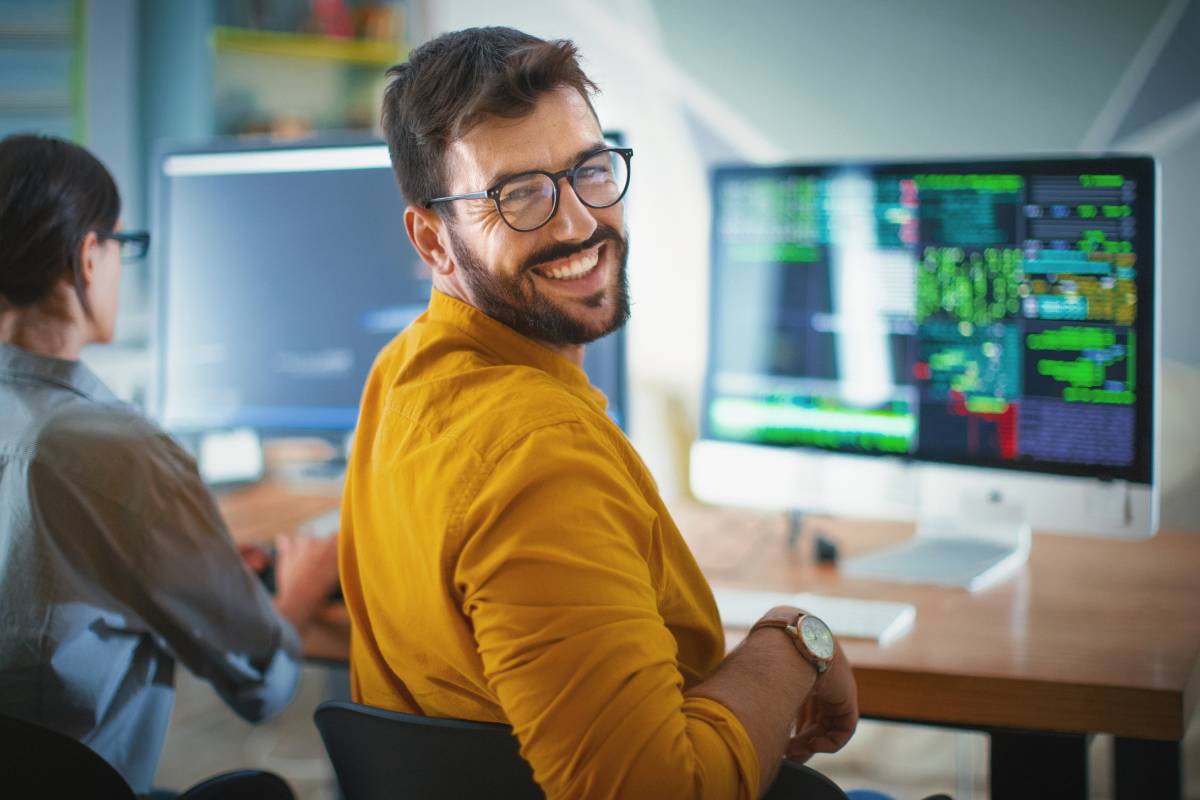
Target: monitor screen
x=283, y=272
x=993, y=313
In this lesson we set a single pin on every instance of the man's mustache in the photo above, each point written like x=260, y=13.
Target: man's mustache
x=562, y=250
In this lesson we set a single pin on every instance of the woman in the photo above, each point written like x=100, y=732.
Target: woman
x=114, y=561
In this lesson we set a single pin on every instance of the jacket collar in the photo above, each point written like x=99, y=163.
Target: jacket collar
x=59, y=372
x=511, y=347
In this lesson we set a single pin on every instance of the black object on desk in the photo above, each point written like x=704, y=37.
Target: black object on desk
x=825, y=550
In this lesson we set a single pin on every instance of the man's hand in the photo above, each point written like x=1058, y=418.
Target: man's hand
x=829, y=714
x=305, y=574
x=775, y=694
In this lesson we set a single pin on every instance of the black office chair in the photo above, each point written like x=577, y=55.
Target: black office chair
x=796, y=781
x=386, y=755
x=39, y=762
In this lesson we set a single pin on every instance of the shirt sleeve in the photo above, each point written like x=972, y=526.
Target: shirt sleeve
x=135, y=518
x=558, y=574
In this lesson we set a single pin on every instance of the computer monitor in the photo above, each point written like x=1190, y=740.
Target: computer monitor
x=282, y=271
x=908, y=340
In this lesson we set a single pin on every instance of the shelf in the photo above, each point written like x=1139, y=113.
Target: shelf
x=44, y=102
x=30, y=38
x=373, y=52
x=51, y=30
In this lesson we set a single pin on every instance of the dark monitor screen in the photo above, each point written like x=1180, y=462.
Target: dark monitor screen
x=284, y=271
x=994, y=313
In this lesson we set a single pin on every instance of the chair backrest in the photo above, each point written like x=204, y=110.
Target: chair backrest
x=385, y=754
x=243, y=784
x=39, y=762
x=380, y=754
x=797, y=780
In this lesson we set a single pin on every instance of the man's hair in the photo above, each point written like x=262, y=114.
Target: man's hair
x=52, y=194
x=454, y=82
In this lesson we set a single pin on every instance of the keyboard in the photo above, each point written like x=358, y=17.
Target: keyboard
x=848, y=617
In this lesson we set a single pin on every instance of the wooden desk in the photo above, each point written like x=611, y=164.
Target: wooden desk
x=1091, y=636
x=258, y=513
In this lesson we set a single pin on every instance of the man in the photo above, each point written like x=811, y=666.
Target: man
x=505, y=555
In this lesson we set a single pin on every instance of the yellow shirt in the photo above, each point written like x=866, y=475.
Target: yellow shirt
x=505, y=557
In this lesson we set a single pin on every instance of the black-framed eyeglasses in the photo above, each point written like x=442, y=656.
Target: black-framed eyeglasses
x=133, y=245
x=529, y=200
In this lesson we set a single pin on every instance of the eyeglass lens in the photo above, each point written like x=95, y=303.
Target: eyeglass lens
x=527, y=201
x=133, y=249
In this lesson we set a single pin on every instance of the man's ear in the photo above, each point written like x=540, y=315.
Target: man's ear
x=427, y=231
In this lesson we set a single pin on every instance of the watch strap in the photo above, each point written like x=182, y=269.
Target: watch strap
x=776, y=618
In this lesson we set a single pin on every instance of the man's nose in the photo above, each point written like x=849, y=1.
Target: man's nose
x=574, y=220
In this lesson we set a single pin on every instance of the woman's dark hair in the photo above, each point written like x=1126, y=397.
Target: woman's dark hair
x=453, y=82
x=52, y=193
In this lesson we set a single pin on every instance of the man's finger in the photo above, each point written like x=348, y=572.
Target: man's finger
x=819, y=739
x=798, y=752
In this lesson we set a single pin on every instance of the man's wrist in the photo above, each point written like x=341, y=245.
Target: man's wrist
x=809, y=636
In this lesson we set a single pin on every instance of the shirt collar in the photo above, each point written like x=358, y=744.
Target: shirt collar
x=512, y=347
x=60, y=372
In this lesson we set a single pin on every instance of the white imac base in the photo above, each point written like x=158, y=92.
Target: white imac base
x=965, y=515
x=981, y=546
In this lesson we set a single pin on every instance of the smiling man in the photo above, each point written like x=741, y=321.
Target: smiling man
x=505, y=554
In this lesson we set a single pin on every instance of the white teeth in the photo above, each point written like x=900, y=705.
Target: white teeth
x=575, y=268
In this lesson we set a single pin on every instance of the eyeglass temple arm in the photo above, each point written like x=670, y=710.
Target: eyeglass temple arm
x=472, y=196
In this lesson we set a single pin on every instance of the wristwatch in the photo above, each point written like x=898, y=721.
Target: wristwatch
x=810, y=634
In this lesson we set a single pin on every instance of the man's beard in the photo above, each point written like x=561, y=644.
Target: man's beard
x=516, y=302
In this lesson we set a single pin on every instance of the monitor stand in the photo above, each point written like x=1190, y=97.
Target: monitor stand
x=986, y=541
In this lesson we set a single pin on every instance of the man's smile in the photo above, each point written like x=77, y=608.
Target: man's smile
x=579, y=276
x=572, y=267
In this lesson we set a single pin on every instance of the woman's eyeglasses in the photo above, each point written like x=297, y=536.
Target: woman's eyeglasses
x=133, y=245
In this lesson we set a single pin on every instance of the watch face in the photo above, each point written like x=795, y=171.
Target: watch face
x=817, y=637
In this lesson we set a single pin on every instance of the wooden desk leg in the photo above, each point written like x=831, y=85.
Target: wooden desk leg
x=1026, y=765
x=1143, y=768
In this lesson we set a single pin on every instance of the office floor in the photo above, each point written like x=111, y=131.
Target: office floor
x=206, y=738
x=908, y=762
